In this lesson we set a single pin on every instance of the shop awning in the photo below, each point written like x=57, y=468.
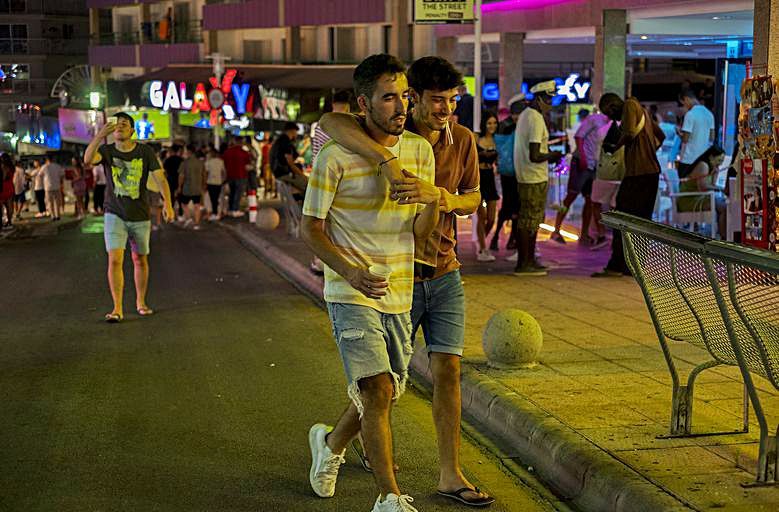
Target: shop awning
x=284, y=76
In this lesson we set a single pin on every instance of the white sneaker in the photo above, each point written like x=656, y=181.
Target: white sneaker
x=213, y=218
x=485, y=255
x=324, y=463
x=514, y=256
x=394, y=503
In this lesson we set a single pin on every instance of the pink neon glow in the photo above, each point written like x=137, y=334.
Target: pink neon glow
x=519, y=5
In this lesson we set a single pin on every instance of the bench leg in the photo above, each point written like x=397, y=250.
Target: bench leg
x=681, y=411
x=766, y=462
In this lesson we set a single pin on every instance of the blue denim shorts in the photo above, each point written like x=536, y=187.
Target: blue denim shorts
x=371, y=343
x=116, y=232
x=439, y=307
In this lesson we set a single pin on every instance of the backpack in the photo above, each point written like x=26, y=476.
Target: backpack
x=504, y=144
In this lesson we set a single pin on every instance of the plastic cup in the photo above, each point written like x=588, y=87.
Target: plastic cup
x=380, y=270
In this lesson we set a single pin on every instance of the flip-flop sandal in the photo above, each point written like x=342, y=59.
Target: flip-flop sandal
x=145, y=311
x=113, y=318
x=364, y=462
x=473, y=502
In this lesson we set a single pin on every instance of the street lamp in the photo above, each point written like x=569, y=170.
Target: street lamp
x=94, y=99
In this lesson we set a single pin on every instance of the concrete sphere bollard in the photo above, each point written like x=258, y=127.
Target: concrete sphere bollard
x=268, y=219
x=512, y=339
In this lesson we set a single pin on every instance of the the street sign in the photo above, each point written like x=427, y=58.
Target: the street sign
x=434, y=12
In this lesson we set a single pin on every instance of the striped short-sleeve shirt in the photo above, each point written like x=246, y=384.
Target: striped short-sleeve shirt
x=364, y=223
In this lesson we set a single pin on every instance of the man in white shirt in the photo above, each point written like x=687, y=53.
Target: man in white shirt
x=697, y=131
x=531, y=160
x=53, y=177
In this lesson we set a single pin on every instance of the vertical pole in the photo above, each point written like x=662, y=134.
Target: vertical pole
x=218, y=69
x=477, y=66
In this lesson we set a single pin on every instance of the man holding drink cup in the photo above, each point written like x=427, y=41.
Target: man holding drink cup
x=363, y=229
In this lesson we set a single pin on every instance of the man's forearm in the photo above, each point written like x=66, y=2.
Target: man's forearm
x=466, y=204
x=323, y=248
x=164, y=189
x=346, y=130
x=426, y=221
x=91, y=150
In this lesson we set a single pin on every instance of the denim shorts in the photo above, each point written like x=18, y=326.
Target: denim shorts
x=371, y=343
x=116, y=232
x=439, y=307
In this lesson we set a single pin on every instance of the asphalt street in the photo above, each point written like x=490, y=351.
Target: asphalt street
x=204, y=406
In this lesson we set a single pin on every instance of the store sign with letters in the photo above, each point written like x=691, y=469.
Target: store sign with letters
x=433, y=12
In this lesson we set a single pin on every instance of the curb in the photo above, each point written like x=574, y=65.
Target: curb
x=34, y=230
x=577, y=470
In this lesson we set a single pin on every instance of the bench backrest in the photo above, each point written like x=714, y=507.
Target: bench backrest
x=749, y=280
x=670, y=265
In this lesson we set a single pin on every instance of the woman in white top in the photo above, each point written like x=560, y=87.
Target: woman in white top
x=20, y=179
x=98, y=172
x=37, y=185
x=217, y=175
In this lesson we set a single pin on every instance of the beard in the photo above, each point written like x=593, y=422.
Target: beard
x=386, y=125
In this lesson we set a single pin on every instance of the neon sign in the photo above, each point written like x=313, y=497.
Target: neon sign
x=225, y=97
x=569, y=89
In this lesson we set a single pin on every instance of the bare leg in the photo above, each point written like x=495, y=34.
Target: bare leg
x=481, y=218
x=490, y=220
x=198, y=213
x=345, y=430
x=446, y=416
x=376, y=393
x=596, y=219
x=141, y=275
x=116, y=278
x=563, y=211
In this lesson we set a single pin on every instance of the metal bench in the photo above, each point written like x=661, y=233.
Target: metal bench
x=718, y=296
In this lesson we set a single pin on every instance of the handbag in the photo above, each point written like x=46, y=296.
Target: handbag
x=611, y=166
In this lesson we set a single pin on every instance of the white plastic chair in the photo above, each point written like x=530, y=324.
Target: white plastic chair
x=679, y=219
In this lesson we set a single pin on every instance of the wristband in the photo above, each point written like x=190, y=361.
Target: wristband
x=384, y=163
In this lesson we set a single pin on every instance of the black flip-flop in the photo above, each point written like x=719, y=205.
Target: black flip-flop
x=366, y=465
x=474, y=502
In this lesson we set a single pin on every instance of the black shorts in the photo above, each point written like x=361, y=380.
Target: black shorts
x=19, y=198
x=489, y=192
x=186, y=199
x=580, y=182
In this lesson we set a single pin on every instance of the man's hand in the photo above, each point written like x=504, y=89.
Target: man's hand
x=106, y=130
x=410, y=190
x=366, y=283
x=392, y=170
x=168, y=214
x=446, y=202
x=555, y=156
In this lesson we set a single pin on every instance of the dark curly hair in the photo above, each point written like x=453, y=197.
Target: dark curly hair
x=433, y=74
x=368, y=72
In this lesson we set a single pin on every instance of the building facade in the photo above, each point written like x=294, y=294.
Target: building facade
x=39, y=40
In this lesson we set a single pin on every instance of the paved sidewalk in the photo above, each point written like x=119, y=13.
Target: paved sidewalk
x=587, y=416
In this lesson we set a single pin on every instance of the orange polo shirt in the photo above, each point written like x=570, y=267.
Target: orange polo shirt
x=457, y=171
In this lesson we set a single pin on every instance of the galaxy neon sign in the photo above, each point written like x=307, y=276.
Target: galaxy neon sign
x=224, y=97
x=569, y=89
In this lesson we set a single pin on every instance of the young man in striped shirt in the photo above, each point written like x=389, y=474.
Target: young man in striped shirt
x=439, y=299
x=363, y=229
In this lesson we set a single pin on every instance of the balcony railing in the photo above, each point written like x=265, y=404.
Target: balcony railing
x=43, y=46
x=61, y=7
x=148, y=33
x=35, y=87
